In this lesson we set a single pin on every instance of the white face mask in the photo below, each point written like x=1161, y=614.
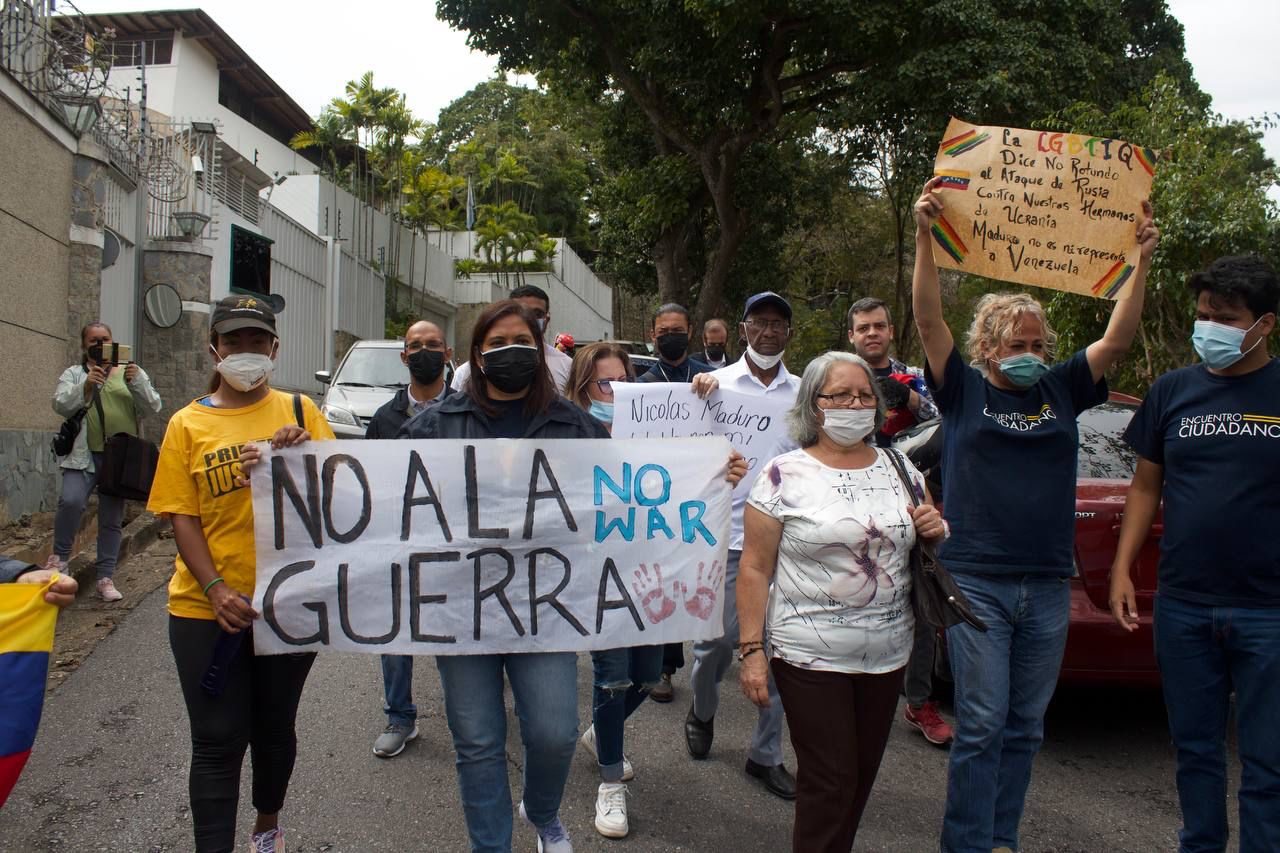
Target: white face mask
x=847, y=427
x=764, y=362
x=245, y=371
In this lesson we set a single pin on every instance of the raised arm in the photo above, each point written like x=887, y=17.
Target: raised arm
x=926, y=292
x=1127, y=314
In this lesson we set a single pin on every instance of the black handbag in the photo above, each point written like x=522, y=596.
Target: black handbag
x=128, y=464
x=65, y=441
x=935, y=598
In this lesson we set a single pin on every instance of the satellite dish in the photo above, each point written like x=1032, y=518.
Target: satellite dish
x=110, y=248
x=162, y=305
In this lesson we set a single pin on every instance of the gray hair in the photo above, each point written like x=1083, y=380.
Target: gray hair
x=803, y=421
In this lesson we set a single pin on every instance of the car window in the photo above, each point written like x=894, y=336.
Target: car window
x=379, y=367
x=1103, y=453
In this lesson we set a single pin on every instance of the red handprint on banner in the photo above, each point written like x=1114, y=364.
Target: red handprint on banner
x=703, y=602
x=651, y=591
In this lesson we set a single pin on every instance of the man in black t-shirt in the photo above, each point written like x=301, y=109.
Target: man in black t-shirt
x=1208, y=441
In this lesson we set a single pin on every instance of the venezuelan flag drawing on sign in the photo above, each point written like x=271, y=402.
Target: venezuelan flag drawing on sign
x=26, y=639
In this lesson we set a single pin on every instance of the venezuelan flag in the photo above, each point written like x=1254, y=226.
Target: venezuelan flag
x=949, y=240
x=954, y=179
x=1147, y=158
x=26, y=640
x=1109, y=285
x=964, y=142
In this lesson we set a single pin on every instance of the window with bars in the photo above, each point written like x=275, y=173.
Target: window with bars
x=130, y=52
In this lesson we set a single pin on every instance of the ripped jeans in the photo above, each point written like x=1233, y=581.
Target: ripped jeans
x=623, y=678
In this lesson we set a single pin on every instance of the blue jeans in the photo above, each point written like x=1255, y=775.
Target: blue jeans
x=1204, y=653
x=397, y=689
x=545, y=686
x=1004, y=679
x=623, y=678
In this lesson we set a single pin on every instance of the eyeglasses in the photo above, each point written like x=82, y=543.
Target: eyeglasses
x=845, y=400
x=419, y=345
x=768, y=325
x=606, y=385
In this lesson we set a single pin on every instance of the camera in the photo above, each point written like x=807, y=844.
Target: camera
x=112, y=354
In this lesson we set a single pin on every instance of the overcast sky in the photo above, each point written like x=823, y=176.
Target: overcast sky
x=311, y=49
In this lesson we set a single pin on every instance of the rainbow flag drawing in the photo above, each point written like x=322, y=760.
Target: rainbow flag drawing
x=26, y=640
x=949, y=240
x=1147, y=158
x=964, y=142
x=1109, y=285
x=953, y=179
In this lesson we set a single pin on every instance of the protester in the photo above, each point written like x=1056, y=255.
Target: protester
x=201, y=486
x=831, y=526
x=669, y=331
x=510, y=394
x=60, y=593
x=766, y=326
x=425, y=354
x=1009, y=490
x=539, y=304
x=622, y=677
x=871, y=334
x=1207, y=444
x=715, y=337
x=115, y=396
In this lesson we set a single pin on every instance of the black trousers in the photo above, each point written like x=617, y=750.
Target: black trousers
x=256, y=709
x=672, y=657
x=839, y=724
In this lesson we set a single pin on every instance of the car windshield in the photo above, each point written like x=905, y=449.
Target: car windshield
x=1103, y=453
x=373, y=367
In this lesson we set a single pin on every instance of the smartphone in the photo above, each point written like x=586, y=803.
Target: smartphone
x=111, y=353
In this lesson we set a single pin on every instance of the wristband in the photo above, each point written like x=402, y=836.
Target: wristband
x=210, y=584
x=744, y=655
x=746, y=643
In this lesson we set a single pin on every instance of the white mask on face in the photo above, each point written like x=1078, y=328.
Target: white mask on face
x=847, y=427
x=764, y=362
x=245, y=371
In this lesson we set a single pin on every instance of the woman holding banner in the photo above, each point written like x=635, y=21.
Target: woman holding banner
x=623, y=678
x=830, y=527
x=235, y=698
x=1009, y=417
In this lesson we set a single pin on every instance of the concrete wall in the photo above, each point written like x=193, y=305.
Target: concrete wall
x=177, y=359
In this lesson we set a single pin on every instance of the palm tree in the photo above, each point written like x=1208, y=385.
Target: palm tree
x=329, y=135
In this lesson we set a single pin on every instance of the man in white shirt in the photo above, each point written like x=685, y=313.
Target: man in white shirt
x=766, y=326
x=538, y=303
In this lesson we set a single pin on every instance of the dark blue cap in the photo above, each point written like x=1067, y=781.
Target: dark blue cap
x=760, y=300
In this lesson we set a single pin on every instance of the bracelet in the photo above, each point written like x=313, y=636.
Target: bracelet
x=210, y=584
x=744, y=655
x=759, y=644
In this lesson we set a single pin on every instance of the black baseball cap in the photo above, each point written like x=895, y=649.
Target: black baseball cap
x=244, y=311
x=768, y=297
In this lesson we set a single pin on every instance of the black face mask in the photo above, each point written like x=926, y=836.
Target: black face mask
x=715, y=352
x=673, y=346
x=426, y=365
x=510, y=368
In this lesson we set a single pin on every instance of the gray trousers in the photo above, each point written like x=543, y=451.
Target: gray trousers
x=919, y=678
x=76, y=487
x=711, y=660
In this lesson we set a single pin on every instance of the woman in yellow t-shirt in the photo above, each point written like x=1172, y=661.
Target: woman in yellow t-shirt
x=235, y=699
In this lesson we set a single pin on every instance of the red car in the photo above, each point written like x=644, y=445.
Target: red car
x=1099, y=650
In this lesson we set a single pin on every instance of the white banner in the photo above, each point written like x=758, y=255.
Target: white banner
x=756, y=426
x=471, y=547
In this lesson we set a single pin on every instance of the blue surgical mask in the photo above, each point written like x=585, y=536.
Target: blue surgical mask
x=1218, y=345
x=1023, y=370
x=602, y=412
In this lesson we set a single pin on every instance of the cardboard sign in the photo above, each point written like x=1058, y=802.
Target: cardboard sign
x=1053, y=210
x=476, y=547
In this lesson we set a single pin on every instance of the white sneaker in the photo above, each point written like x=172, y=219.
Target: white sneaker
x=552, y=838
x=107, y=590
x=589, y=741
x=611, y=810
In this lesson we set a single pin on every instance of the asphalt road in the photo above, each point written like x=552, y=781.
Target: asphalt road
x=109, y=769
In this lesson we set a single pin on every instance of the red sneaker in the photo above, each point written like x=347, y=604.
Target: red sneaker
x=930, y=723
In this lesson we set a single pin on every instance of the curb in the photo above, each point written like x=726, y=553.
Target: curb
x=135, y=537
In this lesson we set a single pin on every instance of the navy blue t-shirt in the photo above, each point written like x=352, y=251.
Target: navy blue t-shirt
x=1009, y=467
x=684, y=372
x=1218, y=439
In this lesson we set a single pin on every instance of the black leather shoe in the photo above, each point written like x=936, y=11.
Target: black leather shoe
x=698, y=735
x=777, y=779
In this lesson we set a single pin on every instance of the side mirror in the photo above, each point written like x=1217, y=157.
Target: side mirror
x=323, y=377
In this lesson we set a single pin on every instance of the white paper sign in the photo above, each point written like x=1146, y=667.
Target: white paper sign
x=756, y=426
x=491, y=546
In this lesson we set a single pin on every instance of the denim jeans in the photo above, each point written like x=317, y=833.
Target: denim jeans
x=1204, y=653
x=545, y=687
x=76, y=488
x=711, y=660
x=1004, y=679
x=397, y=689
x=623, y=678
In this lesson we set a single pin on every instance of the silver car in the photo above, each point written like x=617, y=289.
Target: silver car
x=368, y=376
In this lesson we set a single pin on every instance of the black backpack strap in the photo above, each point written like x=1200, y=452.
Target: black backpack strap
x=297, y=411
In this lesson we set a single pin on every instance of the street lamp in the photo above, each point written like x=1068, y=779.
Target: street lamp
x=82, y=111
x=191, y=223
